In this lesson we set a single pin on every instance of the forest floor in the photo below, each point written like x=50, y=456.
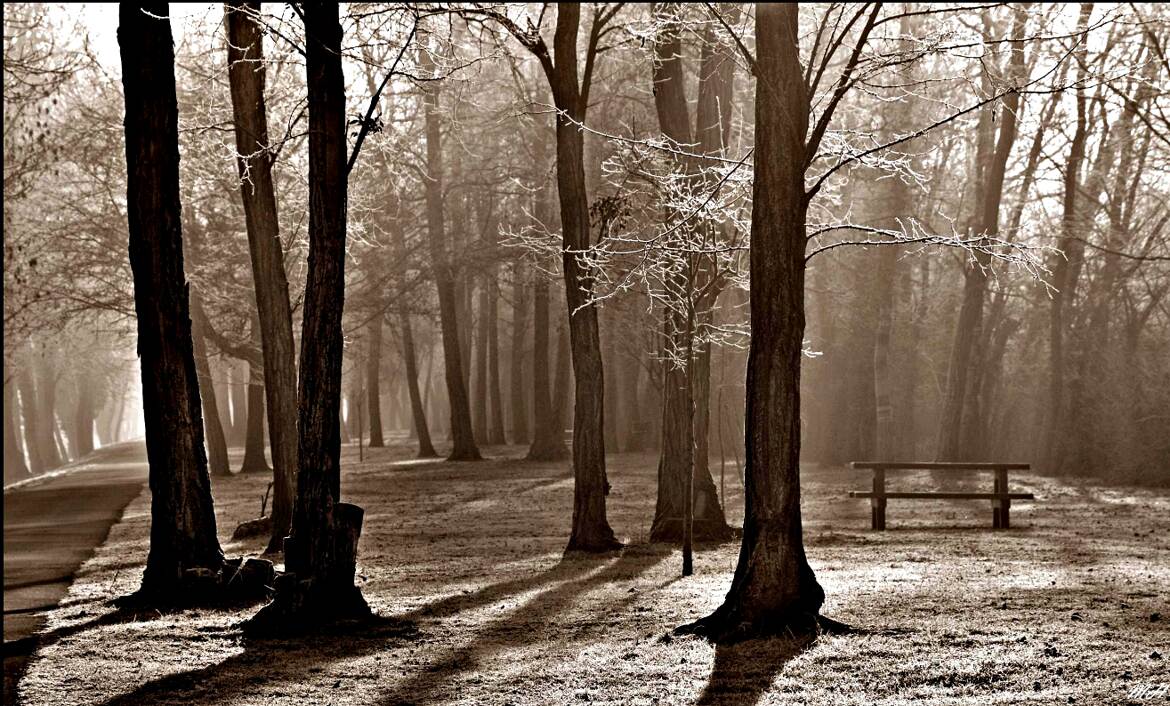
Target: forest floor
x=1069, y=606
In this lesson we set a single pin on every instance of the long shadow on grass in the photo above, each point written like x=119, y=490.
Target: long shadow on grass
x=743, y=671
x=271, y=663
x=528, y=622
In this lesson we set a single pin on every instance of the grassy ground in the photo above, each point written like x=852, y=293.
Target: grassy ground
x=1070, y=606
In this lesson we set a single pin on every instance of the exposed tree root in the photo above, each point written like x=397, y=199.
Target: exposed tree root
x=235, y=582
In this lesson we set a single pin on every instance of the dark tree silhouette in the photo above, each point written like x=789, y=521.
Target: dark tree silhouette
x=774, y=588
x=321, y=551
x=182, y=530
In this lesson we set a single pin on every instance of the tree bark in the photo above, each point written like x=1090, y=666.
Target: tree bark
x=320, y=553
x=462, y=437
x=774, y=588
x=246, y=74
x=182, y=530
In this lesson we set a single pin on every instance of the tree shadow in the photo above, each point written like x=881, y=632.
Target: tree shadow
x=744, y=671
x=271, y=662
x=522, y=625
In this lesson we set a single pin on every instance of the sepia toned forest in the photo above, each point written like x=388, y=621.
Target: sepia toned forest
x=734, y=240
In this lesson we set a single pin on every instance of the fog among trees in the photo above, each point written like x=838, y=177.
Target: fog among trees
x=719, y=243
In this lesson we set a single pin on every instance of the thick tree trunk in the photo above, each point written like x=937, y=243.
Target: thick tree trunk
x=246, y=73
x=182, y=530
x=374, y=382
x=462, y=437
x=217, y=453
x=320, y=554
x=517, y=404
x=774, y=588
x=254, y=461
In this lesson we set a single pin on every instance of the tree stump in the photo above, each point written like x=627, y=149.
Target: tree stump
x=303, y=603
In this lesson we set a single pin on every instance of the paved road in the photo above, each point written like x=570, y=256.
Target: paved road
x=51, y=527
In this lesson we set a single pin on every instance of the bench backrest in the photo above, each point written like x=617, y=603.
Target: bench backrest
x=937, y=466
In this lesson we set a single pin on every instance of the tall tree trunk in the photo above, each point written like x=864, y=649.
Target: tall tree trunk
x=217, y=453
x=246, y=74
x=254, y=461
x=462, y=437
x=1052, y=448
x=374, y=382
x=481, y=365
x=682, y=464
x=321, y=552
x=516, y=401
x=774, y=588
x=83, y=417
x=46, y=407
x=182, y=529
x=15, y=467
x=26, y=386
x=591, y=530
x=496, y=426
x=967, y=352
x=422, y=432
x=238, y=389
x=417, y=408
x=548, y=442
x=548, y=437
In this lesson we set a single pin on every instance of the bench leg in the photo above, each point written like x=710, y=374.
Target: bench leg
x=996, y=515
x=1005, y=514
x=878, y=512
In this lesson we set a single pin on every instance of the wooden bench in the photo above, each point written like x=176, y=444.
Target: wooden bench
x=1001, y=499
